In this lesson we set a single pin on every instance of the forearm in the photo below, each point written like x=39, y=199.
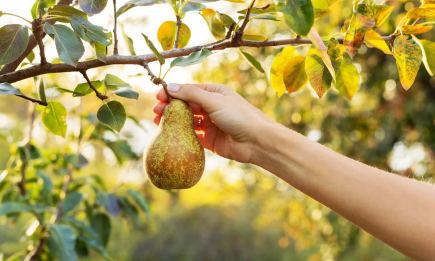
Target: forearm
x=396, y=210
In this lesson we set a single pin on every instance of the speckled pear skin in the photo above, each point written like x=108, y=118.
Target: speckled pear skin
x=175, y=158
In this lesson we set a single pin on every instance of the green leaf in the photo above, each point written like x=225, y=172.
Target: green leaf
x=68, y=45
x=112, y=82
x=298, y=14
x=112, y=114
x=84, y=89
x=100, y=51
x=226, y=20
x=193, y=58
x=13, y=41
x=42, y=6
x=66, y=11
x=77, y=160
x=79, y=225
x=7, y=89
x=295, y=77
x=61, y=242
x=128, y=41
x=428, y=49
x=322, y=49
x=100, y=223
x=215, y=25
x=127, y=93
x=270, y=8
x=167, y=32
x=140, y=200
x=253, y=62
x=47, y=184
x=54, y=118
x=31, y=56
x=110, y=203
x=122, y=151
x=154, y=50
x=133, y=3
x=88, y=31
x=12, y=208
x=252, y=37
x=41, y=90
x=92, y=7
x=71, y=201
x=130, y=210
x=361, y=21
x=408, y=59
x=348, y=79
x=95, y=244
x=277, y=69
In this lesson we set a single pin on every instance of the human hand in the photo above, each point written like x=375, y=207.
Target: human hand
x=231, y=126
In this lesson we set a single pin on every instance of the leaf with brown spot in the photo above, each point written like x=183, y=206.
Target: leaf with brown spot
x=277, y=69
x=420, y=13
x=381, y=13
x=361, y=21
x=408, y=58
x=348, y=80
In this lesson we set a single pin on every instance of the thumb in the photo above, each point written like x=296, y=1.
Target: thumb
x=190, y=93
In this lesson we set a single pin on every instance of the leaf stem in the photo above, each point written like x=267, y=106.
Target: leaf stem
x=17, y=16
x=167, y=72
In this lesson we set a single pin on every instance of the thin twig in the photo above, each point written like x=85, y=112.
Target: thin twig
x=115, y=48
x=239, y=33
x=33, y=100
x=156, y=80
x=38, y=31
x=417, y=21
x=177, y=34
x=230, y=30
x=138, y=60
x=99, y=94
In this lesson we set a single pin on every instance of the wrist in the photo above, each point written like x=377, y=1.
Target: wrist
x=265, y=145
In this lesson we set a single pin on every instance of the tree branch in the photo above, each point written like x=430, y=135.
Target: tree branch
x=99, y=95
x=230, y=30
x=239, y=33
x=10, y=67
x=115, y=48
x=38, y=32
x=138, y=60
x=177, y=34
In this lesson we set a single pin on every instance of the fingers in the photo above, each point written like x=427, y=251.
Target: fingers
x=158, y=108
x=193, y=94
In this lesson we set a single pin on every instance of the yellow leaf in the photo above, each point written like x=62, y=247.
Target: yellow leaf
x=415, y=29
x=277, y=69
x=374, y=40
x=216, y=27
x=348, y=80
x=361, y=21
x=428, y=49
x=295, y=77
x=408, y=59
x=253, y=37
x=167, y=32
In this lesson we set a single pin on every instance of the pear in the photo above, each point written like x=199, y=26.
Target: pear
x=175, y=158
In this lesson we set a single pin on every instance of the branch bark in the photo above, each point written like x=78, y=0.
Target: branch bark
x=138, y=60
x=156, y=80
x=10, y=67
x=99, y=95
x=177, y=34
x=115, y=48
x=239, y=33
x=38, y=32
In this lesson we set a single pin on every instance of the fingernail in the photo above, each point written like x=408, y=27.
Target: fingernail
x=172, y=87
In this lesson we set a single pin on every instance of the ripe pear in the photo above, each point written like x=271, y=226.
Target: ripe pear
x=175, y=158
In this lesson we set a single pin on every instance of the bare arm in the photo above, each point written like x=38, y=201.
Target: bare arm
x=396, y=210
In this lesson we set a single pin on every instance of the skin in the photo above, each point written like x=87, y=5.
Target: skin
x=397, y=210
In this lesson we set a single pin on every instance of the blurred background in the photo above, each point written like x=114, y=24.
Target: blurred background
x=237, y=211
